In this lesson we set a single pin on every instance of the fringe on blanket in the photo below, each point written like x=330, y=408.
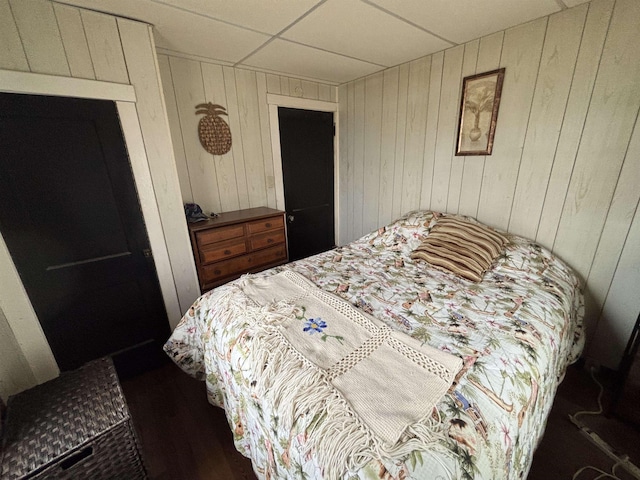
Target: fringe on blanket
x=296, y=387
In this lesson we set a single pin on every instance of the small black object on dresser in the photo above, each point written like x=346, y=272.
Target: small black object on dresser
x=75, y=426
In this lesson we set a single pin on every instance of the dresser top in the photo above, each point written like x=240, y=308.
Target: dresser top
x=229, y=218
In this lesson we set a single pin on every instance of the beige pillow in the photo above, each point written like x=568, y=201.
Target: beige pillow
x=464, y=248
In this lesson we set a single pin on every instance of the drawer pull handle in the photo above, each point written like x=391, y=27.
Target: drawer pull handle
x=268, y=225
x=227, y=252
x=270, y=240
x=74, y=459
x=217, y=272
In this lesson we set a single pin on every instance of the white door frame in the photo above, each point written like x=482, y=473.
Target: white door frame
x=14, y=301
x=276, y=101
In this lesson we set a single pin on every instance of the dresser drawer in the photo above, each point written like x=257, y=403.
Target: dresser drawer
x=222, y=250
x=219, y=234
x=227, y=268
x=265, y=224
x=266, y=239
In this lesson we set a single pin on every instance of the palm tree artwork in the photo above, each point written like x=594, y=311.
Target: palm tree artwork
x=480, y=100
x=478, y=112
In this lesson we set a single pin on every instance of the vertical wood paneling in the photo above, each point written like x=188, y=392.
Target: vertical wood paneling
x=310, y=90
x=351, y=148
x=417, y=106
x=12, y=56
x=372, y=132
x=247, y=94
x=612, y=114
x=245, y=176
x=334, y=94
x=174, y=128
x=489, y=54
x=431, y=136
x=236, y=133
x=388, y=143
x=559, y=54
x=521, y=58
x=457, y=162
x=74, y=41
x=324, y=92
x=189, y=92
x=139, y=51
x=273, y=84
x=564, y=167
x=40, y=37
x=358, y=159
x=105, y=48
x=284, y=86
x=265, y=134
x=447, y=118
x=343, y=179
x=295, y=88
x=584, y=77
x=225, y=179
x=621, y=211
x=622, y=303
x=401, y=130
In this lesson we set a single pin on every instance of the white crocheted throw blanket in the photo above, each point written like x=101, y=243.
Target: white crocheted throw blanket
x=370, y=389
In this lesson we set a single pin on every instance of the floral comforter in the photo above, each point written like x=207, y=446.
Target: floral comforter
x=516, y=332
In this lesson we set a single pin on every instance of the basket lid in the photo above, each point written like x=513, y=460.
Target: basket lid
x=51, y=419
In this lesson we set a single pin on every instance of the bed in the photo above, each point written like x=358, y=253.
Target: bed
x=512, y=334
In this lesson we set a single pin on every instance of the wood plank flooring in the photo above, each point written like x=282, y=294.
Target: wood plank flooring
x=184, y=437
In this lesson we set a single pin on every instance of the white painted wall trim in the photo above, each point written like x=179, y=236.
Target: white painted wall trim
x=39, y=84
x=14, y=300
x=302, y=103
x=23, y=321
x=144, y=185
x=276, y=101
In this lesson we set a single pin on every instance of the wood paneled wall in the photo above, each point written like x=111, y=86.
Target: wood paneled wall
x=40, y=36
x=565, y=168
x=243, y=177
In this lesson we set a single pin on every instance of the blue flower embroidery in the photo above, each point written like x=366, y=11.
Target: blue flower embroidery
x=314, y=325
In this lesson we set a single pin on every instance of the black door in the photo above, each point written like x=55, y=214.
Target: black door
x=306, y=143
x=70, y=215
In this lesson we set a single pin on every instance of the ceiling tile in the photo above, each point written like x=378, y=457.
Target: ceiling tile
x=196, y=35
x=462, y=20
x=295, y=59
x=181, y=31
x=264, y=16
x=365, y=32
x=573, y=3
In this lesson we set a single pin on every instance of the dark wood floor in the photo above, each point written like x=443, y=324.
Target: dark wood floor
x=184, y=437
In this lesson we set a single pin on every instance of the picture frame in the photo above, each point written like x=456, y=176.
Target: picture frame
x=479, y=105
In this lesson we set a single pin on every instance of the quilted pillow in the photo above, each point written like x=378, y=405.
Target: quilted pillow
x=460, y=247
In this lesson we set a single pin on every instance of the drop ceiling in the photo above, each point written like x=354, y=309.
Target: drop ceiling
x=332, y=41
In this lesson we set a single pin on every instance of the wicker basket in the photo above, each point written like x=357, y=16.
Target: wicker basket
x=76, y=426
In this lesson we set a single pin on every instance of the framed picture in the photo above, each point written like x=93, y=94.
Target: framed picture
x=479, y=112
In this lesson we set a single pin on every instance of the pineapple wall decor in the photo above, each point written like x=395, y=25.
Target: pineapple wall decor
x=213, y=131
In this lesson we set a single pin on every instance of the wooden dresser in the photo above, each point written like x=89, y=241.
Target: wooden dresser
x=238, y=242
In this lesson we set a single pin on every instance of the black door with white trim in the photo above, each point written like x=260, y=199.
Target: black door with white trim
x=70, y=215
x=306, y=144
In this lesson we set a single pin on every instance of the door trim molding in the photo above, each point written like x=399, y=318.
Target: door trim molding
x=14, y=301
x=276, y=101
x=39, y=84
